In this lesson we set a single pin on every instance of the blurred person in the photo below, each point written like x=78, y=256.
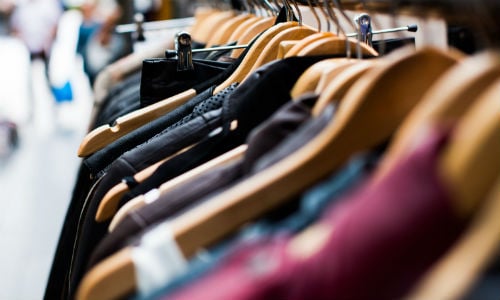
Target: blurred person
x=6, y=8
x=98, y=44
x=35, y=23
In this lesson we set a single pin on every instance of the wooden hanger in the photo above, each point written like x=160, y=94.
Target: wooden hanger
x=284, y=47
x=294, y=51
x=336, y=45
x=115, y=277
x=336, y=87
x=453, y=276
x=116, y=71
x=309, y=80
x=214, y=20
x=238, y=32
x=223, y=33
x=251, y=32
x=201, y=15
x=109, y=203
x=112, y=279
x=252, y=55
x=444, y=103
x=270, y=51
x=140, y=201
x=105, y=134
x=470, y=165
x=327, y=79
x=471, y=162
x=368, y=115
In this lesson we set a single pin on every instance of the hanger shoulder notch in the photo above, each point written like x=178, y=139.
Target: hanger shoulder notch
x=102, y=136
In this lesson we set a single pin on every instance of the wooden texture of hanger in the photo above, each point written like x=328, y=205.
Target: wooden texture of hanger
x=214, y=20
x=238, y=32
x=369, y=113
x=363, y=120
x=284, y=47
x=270, y=51
x=116, y=71
x=335, y=87
x=454, y=275
x=253, y=54
x=445, y=102
x=223, y=33
x=328, y=77
x=113, y=279
x=105, y=134
x=251, y=32
x=109, y=203
x=140, y=201
x=309, y=80
x=200, y=15
x=471, y=162
x=295, y=50
x=336, y=45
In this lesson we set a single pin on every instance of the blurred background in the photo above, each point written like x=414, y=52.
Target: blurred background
x=50, y=53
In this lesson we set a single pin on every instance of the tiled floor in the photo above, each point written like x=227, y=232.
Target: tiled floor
x=36, y=184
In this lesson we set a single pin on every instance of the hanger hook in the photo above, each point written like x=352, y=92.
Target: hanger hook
x=246, y=6
x=262, y=7
x=324, y=13
x=288, y=9
x=299, y=13
x=270, y=8
x=354, y=27
x=315, y=14
x=333, y=17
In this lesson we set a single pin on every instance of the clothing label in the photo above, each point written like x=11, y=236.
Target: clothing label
x=151, y=196
x=157, y=260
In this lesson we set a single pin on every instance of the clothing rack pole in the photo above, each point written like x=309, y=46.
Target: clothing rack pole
x=156, y=25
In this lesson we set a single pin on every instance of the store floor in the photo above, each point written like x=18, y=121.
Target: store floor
x=36, y=182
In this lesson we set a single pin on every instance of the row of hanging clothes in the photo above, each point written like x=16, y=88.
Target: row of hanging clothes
x=261, y=158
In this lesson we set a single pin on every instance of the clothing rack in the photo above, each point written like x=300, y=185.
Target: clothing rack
x=251, y=140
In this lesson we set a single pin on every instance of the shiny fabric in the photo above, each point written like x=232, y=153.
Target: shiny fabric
x=261, y=140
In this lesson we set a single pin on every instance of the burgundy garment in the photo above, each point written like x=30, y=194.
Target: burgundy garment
x=381, y=239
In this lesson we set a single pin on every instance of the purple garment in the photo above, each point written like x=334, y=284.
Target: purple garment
x=380, y=239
